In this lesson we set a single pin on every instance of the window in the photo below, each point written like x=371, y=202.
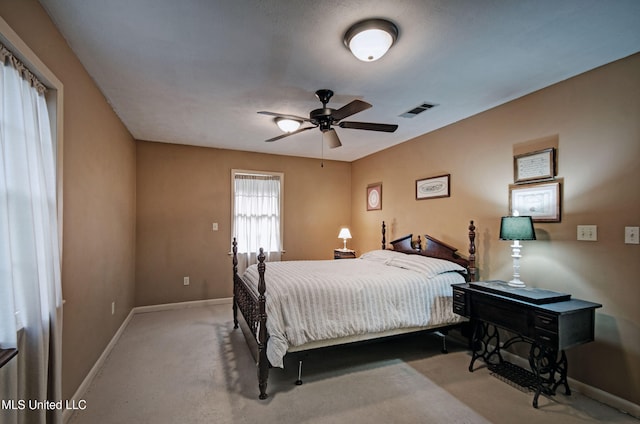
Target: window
x=257, y=211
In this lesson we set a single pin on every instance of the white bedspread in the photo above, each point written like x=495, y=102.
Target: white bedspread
x=309, y=301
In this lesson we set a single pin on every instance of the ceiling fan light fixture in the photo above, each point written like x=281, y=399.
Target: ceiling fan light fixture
x=287, y=125
x=370, y=39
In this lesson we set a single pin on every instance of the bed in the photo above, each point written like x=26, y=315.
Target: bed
x=320, y=303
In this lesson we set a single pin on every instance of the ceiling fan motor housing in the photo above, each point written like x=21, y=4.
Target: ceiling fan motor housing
x=322, y=117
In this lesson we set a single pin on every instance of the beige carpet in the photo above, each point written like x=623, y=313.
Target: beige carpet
x=190, y=366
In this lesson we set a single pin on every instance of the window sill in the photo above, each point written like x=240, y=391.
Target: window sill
x=244, y=253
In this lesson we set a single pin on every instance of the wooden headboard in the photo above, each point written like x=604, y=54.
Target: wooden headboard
x=437, y=249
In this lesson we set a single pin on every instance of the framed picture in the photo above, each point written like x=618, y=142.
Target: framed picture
x=541, y=201
x=374, y=197
x=433, y=187
x=534, y=166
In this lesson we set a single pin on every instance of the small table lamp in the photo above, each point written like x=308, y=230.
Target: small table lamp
x=344, y=235
x=516, y=228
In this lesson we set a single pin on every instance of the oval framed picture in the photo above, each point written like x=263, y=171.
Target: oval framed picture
x=433, y=187
x=374, y=197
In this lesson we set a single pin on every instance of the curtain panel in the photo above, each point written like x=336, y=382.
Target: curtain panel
x=257, y=217
x=30, y=283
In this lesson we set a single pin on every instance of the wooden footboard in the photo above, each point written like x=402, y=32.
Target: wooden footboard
x=252, y=305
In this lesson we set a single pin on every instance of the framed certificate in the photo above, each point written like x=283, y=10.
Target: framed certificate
x=534, y=166
x=540, y=201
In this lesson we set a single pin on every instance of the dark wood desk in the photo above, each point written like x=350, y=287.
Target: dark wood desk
x=549, y=321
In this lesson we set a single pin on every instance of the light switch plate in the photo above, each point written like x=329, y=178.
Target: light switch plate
x=631, y=235
x=588, y=232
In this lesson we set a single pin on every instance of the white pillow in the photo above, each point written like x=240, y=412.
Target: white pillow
x=424, y=264
x=382, y=256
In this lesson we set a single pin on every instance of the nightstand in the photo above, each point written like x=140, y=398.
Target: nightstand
x=344, y=254
x=548, y=321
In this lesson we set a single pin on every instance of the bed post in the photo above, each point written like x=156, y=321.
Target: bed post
x=472, y=252
x=235, y=275
x=263, y=362
x=384, y=242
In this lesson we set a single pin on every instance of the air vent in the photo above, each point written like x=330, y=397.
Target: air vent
x=418, y=110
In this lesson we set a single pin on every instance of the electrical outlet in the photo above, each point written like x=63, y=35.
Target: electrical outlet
x=186, y=281
x=631, y=235
x=588, y=232
x=214, y=226
x=113, y=308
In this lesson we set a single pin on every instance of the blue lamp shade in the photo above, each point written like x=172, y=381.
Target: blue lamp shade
x=517, y=228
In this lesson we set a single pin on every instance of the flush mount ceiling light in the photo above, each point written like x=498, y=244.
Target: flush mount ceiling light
x=288, y=125
x=370, y=39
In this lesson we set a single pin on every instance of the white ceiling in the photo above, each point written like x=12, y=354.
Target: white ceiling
x=197, y=71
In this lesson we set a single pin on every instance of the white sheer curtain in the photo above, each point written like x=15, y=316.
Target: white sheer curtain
x=30, y=286
x=257, y=217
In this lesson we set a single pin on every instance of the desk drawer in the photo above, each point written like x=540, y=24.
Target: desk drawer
x=546, y=321
x=546, y=338
x=460, y=309
x=460, y=303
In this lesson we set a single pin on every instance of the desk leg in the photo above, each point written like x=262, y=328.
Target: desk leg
x=485, y=343
x=545, y=364
x=561, y=367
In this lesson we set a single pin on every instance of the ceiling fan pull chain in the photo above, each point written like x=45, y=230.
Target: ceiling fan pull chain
x=321, y=152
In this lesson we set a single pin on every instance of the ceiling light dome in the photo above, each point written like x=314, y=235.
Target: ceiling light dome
x=288, y=125
x=370, y=39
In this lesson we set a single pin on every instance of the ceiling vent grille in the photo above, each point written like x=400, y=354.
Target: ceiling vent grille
x=418, y=110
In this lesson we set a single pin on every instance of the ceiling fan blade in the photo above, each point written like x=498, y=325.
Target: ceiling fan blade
x=331, y=138
x=283, y=115
x=288, y=134
x=370, y=126
x=350, y=109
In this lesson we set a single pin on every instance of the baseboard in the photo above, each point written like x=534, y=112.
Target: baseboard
x=594, y=393
x=84, y=386
x=182, y=305
x=601, y=396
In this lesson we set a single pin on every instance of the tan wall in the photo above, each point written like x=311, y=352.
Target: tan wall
x=99, y=200
x=593, y=119
x=182, y=190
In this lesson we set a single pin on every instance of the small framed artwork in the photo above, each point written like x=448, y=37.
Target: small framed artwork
x=534, y=166
x=540, y=201
x=433, y=187
x=374, y=197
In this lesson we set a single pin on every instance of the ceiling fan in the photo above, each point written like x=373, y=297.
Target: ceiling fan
x=325, y=118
